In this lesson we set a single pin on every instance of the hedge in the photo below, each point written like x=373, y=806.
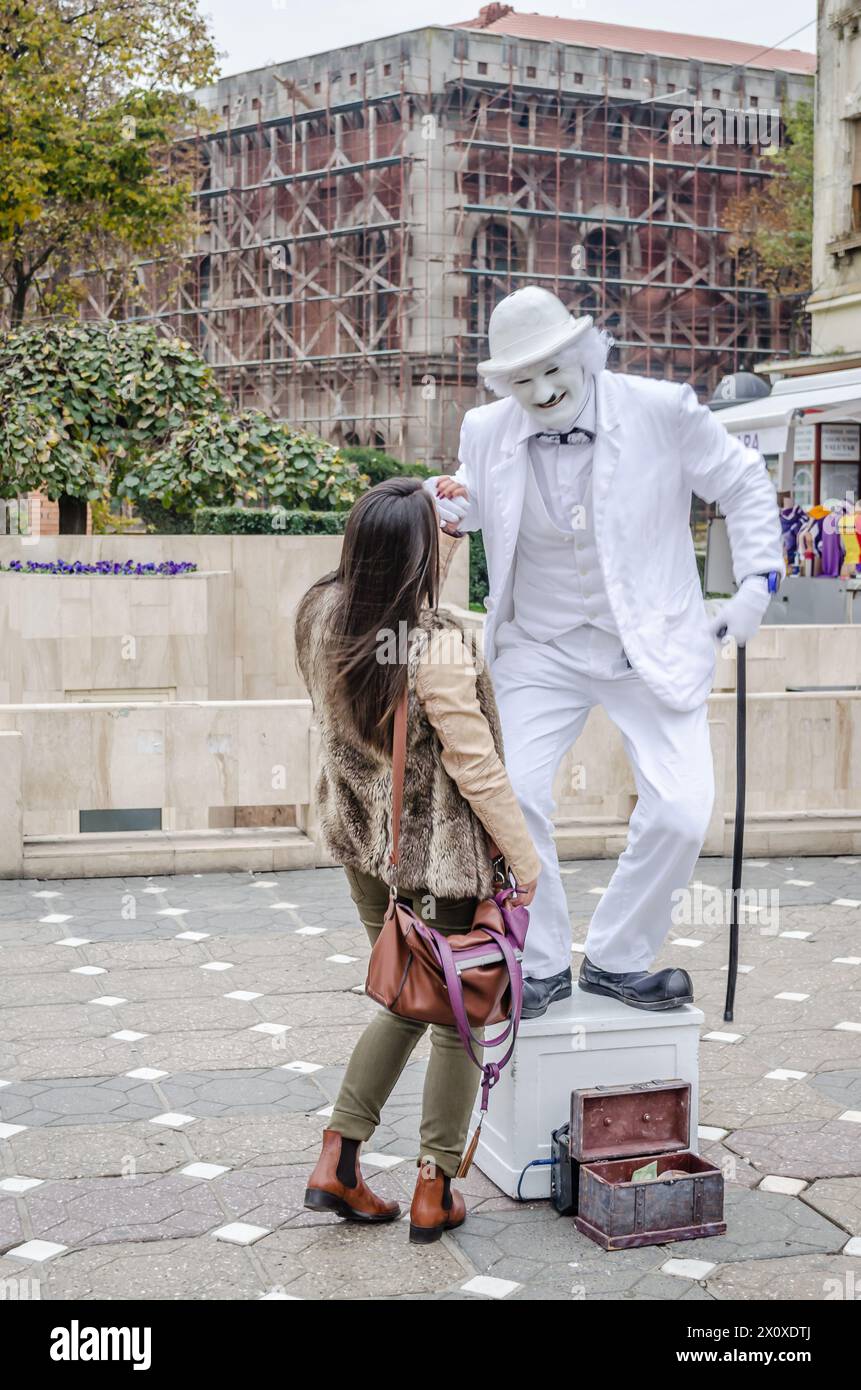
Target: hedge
x=248, y=521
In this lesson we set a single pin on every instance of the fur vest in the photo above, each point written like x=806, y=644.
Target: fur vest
x=443, y=845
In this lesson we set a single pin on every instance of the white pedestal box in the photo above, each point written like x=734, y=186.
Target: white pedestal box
x=585, y=1041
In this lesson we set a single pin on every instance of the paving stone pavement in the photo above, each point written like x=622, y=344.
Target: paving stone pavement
x=169, y=1048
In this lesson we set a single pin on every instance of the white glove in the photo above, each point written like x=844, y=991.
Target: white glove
x=739, y=619
x=449, y=509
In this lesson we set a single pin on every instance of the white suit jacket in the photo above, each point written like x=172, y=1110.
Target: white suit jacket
x=655, y=446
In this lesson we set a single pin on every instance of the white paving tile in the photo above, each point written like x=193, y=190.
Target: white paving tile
x=273, y=1028
x=38, y=1250
x=55, y=917
x=792, y=997
x=853, y=1116
x=240, y=1233
x=277, y=1296
x=110, y=1001
x=217, y=965
x=7, y=1130
x=785, y=1074
x=128, y=1035
x=686, y=941
x=789, y=1187
x=245, y=995
x=756, y=863
x=491, y=1288
x=284, y=907
x=192, y=936
x=578, y=947
x=18, y=1184
x=848, y=1027
x=74, y=941
x=723, y=1037
x=342, y=960
x=742, y=969
x=310, y=931
x=687, y=1269
x=304, y=1067
x=711, y=1132
x=265, y=883
x=153, y=889
x=799, y=883
x=597, y=891
x=842, y=859
x=852, y=1247
x=173, y=1119
x=204, y=1170
x=326, y=1112
x=46, y=893
x=172, y=912
x=146, y=1074
x=795, y=935
x=5, y=1083
x=846, y=960
x=382, y=1160
x=846, y=902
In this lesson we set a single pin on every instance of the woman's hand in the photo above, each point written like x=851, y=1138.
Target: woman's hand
x=450, y=487
x=451, y=498
x=524, y=894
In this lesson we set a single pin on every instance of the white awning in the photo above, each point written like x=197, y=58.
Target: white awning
x=817, y=399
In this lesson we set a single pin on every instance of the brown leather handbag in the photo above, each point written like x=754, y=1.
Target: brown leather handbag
x=465, y=980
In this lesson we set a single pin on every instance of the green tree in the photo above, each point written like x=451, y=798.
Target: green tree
x=93, y=98
x=773, y=225
x=89, y=410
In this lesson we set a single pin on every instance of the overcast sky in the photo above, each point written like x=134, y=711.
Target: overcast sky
x=253, y=33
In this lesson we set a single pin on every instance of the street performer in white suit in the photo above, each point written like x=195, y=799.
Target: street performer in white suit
x=580, y=480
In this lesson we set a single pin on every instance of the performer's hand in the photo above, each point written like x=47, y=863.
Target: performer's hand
x=451, y=498
x=740, y=618
x=524, y=895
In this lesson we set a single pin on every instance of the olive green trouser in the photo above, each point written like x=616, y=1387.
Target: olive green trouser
x=387, y=1043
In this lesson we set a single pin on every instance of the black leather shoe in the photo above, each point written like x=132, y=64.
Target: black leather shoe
x=667, y=989
x=538, y=994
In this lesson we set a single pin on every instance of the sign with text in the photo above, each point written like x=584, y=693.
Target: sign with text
x=840, y=443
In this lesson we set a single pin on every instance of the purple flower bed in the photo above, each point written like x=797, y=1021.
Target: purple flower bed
x=129, y=567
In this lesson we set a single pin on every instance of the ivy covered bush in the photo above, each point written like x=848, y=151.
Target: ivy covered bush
x=90, y=411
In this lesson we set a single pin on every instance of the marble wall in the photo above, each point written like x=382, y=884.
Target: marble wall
x=226, y=632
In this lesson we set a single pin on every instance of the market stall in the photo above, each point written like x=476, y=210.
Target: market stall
x=809, y=431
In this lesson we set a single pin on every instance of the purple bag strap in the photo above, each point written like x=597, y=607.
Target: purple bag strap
x=490, y=1070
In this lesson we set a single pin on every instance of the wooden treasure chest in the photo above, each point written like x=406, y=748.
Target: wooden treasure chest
x=617, y=1131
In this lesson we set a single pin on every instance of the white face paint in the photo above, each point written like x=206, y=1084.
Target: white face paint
x=551, y=392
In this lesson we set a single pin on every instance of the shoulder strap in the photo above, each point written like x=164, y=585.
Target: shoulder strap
x=399, y=759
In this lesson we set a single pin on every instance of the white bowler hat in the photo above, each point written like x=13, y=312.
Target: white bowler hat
x=526, y=326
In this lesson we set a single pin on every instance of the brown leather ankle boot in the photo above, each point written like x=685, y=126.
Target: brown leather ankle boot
x=336, y=1184
x=436, y=1208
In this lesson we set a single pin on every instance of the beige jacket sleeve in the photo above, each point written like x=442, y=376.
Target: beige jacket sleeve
x=445, y=684
x=448, y=541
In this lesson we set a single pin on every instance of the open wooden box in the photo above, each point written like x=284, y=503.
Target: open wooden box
x=616, y=1129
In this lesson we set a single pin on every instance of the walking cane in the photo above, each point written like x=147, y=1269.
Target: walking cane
x=738, y=833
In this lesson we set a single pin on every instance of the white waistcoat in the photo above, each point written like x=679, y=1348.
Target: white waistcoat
x=557, y=574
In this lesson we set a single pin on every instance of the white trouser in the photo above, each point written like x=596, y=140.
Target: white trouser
x=545, y=691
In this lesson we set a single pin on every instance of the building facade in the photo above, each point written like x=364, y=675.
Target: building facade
x=835, y=304
x=364, y=209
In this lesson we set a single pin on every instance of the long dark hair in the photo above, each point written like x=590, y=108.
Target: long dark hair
x=389, y=569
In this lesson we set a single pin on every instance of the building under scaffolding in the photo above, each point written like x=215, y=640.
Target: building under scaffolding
x=364, y=209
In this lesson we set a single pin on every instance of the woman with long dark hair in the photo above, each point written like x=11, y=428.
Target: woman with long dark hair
x=364, y=635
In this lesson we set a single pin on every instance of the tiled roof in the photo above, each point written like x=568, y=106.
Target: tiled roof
x=588, y=33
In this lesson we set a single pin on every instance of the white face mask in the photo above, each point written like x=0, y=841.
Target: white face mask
x=551, y=392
